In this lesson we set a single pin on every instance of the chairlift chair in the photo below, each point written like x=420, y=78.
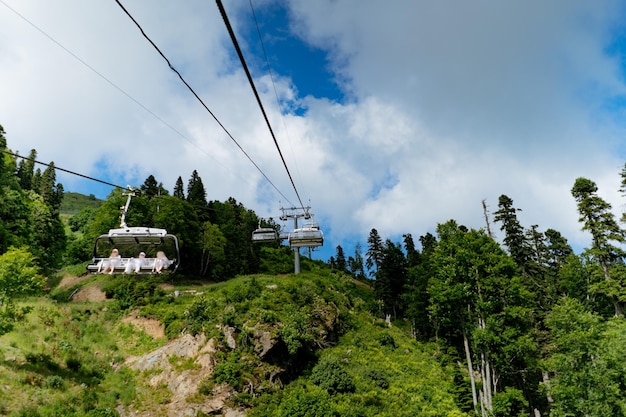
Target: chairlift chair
x=309, y=236
x=264, y=234
x=160, y=249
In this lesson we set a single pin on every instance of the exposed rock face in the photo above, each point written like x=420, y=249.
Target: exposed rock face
x=177, y=370
x=183, y=383
x=229, y=335
x=263, y=342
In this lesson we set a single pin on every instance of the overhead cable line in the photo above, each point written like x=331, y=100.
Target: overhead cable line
x=64, y=170
x=198, y=97
x=256, y=94
x=118, y=88
x=269, y=67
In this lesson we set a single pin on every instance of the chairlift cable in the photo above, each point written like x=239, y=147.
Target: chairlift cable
x=269, y=67
x=198, y=97
x=64, y=170
x=118, y=88
x=256, y=94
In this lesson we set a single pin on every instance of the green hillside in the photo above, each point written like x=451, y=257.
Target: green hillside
x=74, y=202
x=289, y=345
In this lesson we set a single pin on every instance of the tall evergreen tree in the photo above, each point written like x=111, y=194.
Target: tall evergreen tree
x=428, y=242
x=36, y=180
x=340, y=259
x=355, y=263
x=391, y=277
x=179, y=191
x=514, y=238
x=597, y=219
x=26, y=171
x=49, y=189
x=196, y=195
x=4, y=173
x=374, y=253
x=412, y=254
x=151, y=188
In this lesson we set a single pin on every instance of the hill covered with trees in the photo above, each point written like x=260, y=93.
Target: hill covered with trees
x=458, y=324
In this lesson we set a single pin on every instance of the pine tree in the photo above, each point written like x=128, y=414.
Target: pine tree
x=340, y=259
x=196, y=196
x=514, y=238
x=412, y=254
x=26, y=170
x=49, y=190
x=374, y=251
x=597, y=219
x=355, y=263
x=391, y=277
x=179, y=191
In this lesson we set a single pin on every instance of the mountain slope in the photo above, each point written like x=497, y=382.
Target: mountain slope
x=292, y=345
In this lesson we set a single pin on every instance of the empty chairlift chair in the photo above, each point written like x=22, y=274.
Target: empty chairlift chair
x=264, y=234
x=309, y=236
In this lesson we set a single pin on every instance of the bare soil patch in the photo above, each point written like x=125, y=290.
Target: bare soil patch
x=90, y=293
x=150, y=326
x=71, y=280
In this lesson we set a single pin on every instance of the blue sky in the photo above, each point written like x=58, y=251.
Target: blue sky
x=395, y=116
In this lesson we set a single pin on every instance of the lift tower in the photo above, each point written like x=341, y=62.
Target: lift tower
x=308, y=236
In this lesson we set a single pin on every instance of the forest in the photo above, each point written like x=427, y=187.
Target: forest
x=528, y=326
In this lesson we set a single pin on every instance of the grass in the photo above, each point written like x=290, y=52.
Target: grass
x=330, y=355
x=74, y=202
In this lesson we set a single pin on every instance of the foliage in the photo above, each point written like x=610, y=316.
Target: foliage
x=331, y=376
x=586, y=379
x=19, y=276
x=132, y=292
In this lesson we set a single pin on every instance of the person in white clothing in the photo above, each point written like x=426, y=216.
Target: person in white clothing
x=135, y=264
x=160, y=262
x=109, y=264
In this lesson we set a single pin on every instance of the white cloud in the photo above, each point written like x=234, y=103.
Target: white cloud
x=449, y=103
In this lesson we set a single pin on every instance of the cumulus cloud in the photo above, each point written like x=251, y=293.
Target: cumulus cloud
x=445, y=104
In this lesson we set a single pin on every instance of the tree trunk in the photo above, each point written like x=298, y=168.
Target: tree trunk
x=546, y=382
x=488, y=383
x=486, y=213
x=470, y=369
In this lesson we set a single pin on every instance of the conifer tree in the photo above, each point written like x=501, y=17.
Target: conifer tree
x=412, y=254
x=355, y=263
x=26, y=170
x=391, y=277
x=150, y=187
x=374, y=250
x=597, y=219
x=196, y=195
x=340, y=259
x=179, y=191
x=514, y=238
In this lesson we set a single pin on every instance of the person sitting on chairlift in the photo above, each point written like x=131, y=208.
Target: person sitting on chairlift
x=135, y=264
x=109, y=264
x=160, y=262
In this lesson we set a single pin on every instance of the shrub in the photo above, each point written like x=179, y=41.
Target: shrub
x=73, y=364
x=199, y=312
x=229, y=371
x=54, y=382
x=385, y=339
x=329, y=375
x=301, y=402
x=132, y=292
x=378, y=378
